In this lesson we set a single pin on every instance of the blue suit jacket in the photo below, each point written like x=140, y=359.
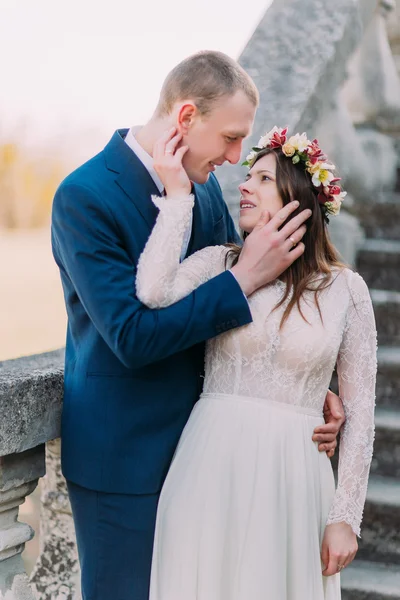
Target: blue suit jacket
x=132, y=375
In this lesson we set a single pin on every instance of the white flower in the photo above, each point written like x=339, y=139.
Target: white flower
x=323, y=176
x=300, y=142
x=251, y=156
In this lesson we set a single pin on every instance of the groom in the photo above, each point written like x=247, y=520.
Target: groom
x=133, y=375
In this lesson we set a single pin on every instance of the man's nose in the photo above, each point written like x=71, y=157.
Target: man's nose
x=232, y=155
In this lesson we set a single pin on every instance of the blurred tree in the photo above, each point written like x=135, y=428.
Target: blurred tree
x=27, y=186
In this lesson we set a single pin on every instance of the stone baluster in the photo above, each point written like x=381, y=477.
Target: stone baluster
x=56, y=574
x=19, y=475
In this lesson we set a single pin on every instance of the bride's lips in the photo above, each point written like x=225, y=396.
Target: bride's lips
x=246, y=204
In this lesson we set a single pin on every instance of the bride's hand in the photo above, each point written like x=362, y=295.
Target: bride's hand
x=168, y=164
x=339, y=548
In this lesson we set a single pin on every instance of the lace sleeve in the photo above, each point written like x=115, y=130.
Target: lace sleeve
x=356, y=367
x=161, y=279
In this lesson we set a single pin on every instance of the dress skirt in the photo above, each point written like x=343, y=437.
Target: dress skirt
x=243, y=509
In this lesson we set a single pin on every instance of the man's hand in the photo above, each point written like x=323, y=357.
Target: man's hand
x=268, y=251
x=326, y=435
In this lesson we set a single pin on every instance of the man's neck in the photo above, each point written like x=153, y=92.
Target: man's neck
x=151, y=132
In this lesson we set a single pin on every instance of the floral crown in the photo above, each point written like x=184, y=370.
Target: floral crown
x=300, y=149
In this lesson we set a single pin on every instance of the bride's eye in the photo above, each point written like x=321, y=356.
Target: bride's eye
x=265, y=178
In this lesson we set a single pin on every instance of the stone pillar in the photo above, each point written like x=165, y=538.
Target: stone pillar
x=56, y=575
x=19, y=475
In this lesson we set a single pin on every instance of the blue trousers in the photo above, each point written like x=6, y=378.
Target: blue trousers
x=115, y=534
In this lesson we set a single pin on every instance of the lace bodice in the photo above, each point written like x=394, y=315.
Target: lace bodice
x=293, y=365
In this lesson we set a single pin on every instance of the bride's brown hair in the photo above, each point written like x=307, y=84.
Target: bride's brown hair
x=320, y=256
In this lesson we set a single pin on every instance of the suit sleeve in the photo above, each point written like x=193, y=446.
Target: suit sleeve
x=87, y=244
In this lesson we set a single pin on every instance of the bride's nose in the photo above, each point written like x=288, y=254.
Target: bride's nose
x=244, y=187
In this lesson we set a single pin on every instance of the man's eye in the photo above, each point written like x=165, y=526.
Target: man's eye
x=231, y=139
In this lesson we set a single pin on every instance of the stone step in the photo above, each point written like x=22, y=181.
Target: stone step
x=387, y=315
x=380, y=217
x=388, y=378
x=364, y=580
x=386, y=458
x=378, y=261
x=380, y=531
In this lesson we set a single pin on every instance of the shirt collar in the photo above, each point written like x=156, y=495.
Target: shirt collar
x=142, y=155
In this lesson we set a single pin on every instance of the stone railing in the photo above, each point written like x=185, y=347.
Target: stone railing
x=30, y=409
x=312, y=63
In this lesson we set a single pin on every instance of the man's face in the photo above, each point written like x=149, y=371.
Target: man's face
x=218, y=137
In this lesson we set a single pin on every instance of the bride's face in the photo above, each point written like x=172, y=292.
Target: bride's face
x=259, y=192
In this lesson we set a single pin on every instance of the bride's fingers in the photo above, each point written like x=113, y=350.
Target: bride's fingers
x=170, y=147
x=181, y=152
x=159, y=146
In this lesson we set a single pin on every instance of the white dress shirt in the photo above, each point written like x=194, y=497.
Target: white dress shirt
x=148, y=162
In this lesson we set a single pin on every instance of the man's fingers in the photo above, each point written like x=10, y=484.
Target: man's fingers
x=294, y=239
x=282, y=214
x=326, y=446
x=335, y=405
x=263, y=220
x=294, y=223
x=327, y=428
x=295, y=253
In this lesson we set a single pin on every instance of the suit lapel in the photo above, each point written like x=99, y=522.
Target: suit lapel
x=132, y=176
x=202, y=220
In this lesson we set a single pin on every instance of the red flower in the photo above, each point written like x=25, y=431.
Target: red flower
x=334, y=189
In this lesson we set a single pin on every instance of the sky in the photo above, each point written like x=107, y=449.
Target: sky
x=95, y=65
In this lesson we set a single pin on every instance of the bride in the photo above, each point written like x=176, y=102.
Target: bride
x=249, y=509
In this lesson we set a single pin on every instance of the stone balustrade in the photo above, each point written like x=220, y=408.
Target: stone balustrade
x=313, y=63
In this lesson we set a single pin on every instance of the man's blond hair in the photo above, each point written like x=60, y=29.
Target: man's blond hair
x=205, y=78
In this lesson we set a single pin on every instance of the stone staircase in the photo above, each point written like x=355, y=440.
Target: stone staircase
x=375, y=574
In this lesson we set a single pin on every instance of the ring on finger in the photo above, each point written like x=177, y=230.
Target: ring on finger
x=169, y=152
x=293, y=241
x=340, y=567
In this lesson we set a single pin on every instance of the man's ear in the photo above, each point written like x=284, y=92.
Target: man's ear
x=186, y=116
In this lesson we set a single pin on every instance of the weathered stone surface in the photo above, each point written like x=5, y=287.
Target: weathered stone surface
x=14, y=583
x=380, y=541
x=388, y=378
x=31, y=391
x=373, y=88
x=387, y=315
x=347, y=235
x=17, y=469
x=295, y=89
x=13, y=536
x=370, y=581
x=379, y=263
x=56, y=573
x=379, y=215
x=386, y=458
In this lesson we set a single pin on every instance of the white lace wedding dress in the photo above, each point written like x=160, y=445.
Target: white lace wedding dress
x=243, y=509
